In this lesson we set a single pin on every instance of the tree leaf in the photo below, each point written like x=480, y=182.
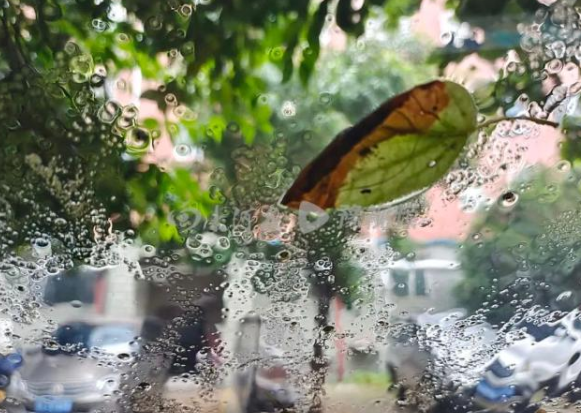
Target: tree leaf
x=292, y=37
x=349, y=20
x=311, y=54
x=403, y=147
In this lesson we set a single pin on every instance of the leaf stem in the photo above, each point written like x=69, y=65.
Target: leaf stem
x=44, y=32
x=69, y=97
x=527, y=118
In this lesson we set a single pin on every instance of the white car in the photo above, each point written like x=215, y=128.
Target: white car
x=543, y=357
x=6, y=331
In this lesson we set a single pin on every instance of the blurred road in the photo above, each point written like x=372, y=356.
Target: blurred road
x=340, y=398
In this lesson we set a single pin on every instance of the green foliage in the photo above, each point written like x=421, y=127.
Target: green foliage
x=526, y=252
x=156, y=195
x=60, y=144
x=213, y=48
x=209, y=57
x=311, y=54
x=59, y=56
x=571, y=148
x=397, y=9
x=368, y=378
x=504, y=92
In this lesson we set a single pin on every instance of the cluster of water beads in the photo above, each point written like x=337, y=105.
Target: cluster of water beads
x=554, y=37
x=275, y=164
x=262, y=173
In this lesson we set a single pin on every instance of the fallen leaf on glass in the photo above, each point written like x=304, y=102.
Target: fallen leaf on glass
x=403, y=147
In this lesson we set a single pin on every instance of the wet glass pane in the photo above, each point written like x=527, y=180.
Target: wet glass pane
x=290, y=206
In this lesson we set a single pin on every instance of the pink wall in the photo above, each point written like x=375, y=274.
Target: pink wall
x=448, y=221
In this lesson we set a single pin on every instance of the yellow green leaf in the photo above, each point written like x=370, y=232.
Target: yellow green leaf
x=403, y=147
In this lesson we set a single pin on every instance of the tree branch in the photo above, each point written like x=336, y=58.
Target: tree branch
x=542, y=122
x=17, y=61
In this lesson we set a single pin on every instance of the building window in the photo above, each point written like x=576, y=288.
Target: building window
x=401, y=283
x=76, y=285
x=421, y=283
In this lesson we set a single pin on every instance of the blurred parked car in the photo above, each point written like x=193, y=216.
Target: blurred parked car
x=189, y=330
x=262, y=381
x=434, y=350
x=6, y=330
x=543, y=360
x=84, y=367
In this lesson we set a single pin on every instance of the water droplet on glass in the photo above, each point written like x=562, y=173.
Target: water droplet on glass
x=186, y=10
x=511, y=67
x=154, y=23
x=99, y=25
x=508, y=199
x=446, y=38
x=564, y=296
x=222, y=244
x=276, y=53
x=76, y=303
x=563, y=166
x=288, y=109
x=554, y=66
x=61, y=222
x=325, y=98
x=187, y=48
x=137, y=141
x=123, y=37
x=171, y=99
x=182, y=151
x=559, y=47
x=42, y=247
x=233, y=127
x=148, y=250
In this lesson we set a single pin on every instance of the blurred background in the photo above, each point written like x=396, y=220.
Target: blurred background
x=146, y=264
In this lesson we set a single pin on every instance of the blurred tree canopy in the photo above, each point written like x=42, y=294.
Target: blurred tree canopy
x=498, y=17
x=536, y=34
x=65, y=141
x=527, y=253
x=347, y=85
x=527, y=248
x=223, y=74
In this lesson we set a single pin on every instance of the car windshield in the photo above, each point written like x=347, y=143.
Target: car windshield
x=307, y=206
x=539, y=331
x=109, y=336
x=500, y=370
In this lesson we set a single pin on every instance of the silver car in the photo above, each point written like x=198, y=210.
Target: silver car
x=85, y=367
x=262, y=382
x=436, y=345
